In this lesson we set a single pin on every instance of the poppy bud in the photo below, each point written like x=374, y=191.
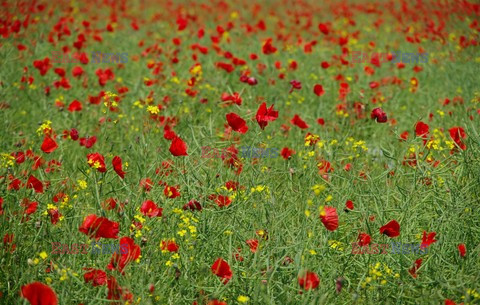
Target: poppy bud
x=379, y=115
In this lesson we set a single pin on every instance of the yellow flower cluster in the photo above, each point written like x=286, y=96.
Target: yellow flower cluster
x=6, y=160
x=376, y=273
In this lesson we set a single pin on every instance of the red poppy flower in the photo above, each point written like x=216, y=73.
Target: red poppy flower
x=237, y=123
x=49, y=145
x=54, y=215
x=97, y=277
x=77, y=71
x=318, y=90
x=253, y=244
x=379, y=115
x=97, y=161
x=146, y=184
x=129, y=251
x=117, y=166
x=363, y=239
x=265, y=115
x=75, y=106
x=349, y=205
x=223, y=201
x=308, y=280
x=150, y=209
x=428, y=240
x=8, y=242
x=462, y=250
x=268, y=48
x=457, y=134
x=169, y=245
x=404, y=135
x=414, y=269
x=329, y=218
x=171, y=192
x=421, y=129
x=193, y=205
x=391, y=229
x=39, y=294
x=178, y=147
x=88, y=141
x=30, y=207
x=34, y=183
x=297, y=121
x=286, y=153
x=221, y=269
x=96, y=227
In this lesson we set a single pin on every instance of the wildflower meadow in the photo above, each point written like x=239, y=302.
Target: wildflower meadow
x=224, y=152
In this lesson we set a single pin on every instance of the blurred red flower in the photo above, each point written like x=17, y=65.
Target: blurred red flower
x=150, y=209
x=97, y=227
x=222, y=269
x=265, y=115
x=97, y=161
x=329, y=218
x=379, y=115
x=39, y=294
x=49, y=145
x=97, y=277
x=297, y=121
x=391, y=229
x=237, y=123
x=178, y=147
x=117, y=166
x=462, y=250
x=308, y=280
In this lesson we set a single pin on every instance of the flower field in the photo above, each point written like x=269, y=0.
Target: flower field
x=221, y=152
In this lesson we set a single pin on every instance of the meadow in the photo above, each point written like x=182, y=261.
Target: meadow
x=370, y=149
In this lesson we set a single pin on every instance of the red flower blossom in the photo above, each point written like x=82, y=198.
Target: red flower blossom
x=286, y=153
x=34, y=183
x=178, y=147
x=49, y=145
x=297, y=121
x=349, y=205
x=97, y=227
x=39, y=294
x=379, y=115
x=237, y=123
x=171, y=192
x=97, y=161
x=414, y=269
x=421, y=129
x=265, y=115
x=253, y=244
x=193, y=205
x=268, y=48
x=462, y=249
x=329, y=218
x=146, y=184
x=318, y=90
x=75, y=106
x=428, y=240
x=221, y=269
x=363, y=239
x=169, y=245
x=87, y=142
x=308, y=280
x=117, y=166
x=391, y=229
x=97, y=277
x=150, y=209
x=129, y=251
x=457, y=134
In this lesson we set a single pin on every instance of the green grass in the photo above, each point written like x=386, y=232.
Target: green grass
x=443, y=199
